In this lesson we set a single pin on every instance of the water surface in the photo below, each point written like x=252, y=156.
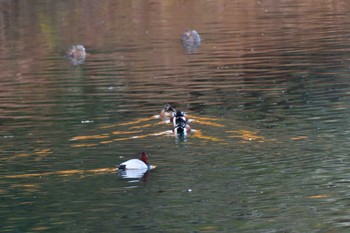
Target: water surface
x=267, y=90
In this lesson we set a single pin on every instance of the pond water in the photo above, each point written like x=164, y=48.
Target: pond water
x=267, y=89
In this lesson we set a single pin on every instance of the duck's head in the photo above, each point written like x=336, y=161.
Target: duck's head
x=169, y=108
x=179, y=114
x=144, y=158
x=179, y=117
x=167, y=111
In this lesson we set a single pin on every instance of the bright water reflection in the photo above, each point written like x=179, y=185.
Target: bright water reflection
x=267, y=90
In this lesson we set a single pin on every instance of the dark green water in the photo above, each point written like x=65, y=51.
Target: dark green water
x=268, y=90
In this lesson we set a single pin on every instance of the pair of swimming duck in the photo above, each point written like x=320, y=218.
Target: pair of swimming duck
x=181, y=127
x=180, y=122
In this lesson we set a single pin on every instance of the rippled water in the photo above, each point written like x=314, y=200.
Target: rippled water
x=267, y=90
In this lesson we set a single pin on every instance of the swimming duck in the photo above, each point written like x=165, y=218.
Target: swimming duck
x=76, y=54
x=179, y=118
x=167, y=112
x=137, y=164
x=191, y=36
x=182, y=129
x=191, y=41
x=136, y=168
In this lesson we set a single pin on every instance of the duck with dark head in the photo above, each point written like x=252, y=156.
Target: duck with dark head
x=178, y=118
x=167, y=112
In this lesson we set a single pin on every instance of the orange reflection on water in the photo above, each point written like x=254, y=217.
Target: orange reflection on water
x=114, y=140
x=209, y=123
x=84, y=145
x=86, y=137
x=38, y=153
x=299, y=138
x=319, y=196
x=198, y=134
x=141, y=126
x=136, y=133
x=138, y=121
x=246, y=135
x=40, y=228
x=64, y=173
x=43, y=151
x=202, y=118
x=168, y=132
x=152, y=134
x=209, y=228
x=125, y=132
x=27, y=187
x=17, y=156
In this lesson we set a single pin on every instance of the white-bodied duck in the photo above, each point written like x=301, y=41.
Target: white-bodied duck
x=135, y=168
